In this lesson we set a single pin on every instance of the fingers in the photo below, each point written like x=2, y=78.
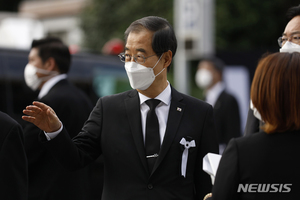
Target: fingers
x=28, y=118
x=37, y=108
x=41, y=105
x=44, y=107
x=42, y=116
x=33, y=113
x=30, y=110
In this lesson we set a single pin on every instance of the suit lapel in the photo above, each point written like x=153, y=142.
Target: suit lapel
x=218, y=102
x=134, y=115
x=175, y=114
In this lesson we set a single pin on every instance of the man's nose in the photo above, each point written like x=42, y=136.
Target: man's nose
x=132, y=59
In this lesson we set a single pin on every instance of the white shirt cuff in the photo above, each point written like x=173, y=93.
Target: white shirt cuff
x=52, y=135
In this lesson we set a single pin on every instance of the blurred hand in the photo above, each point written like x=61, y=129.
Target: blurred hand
x=42, y=116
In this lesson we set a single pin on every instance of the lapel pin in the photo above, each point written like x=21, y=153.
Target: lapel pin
x=179, y=109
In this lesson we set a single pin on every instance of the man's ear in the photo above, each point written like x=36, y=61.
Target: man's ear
x=50, y=64
x=167, y=58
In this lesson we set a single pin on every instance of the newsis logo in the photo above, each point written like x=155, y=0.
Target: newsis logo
x=265, y=187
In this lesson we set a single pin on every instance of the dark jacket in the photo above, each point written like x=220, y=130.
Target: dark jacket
x=13, y=161
x=227, y=118
x=114, y=130
x=47, y=178
x=260, y=158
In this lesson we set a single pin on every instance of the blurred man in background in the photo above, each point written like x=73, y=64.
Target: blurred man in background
x=289, y=42
x=48, y=64
x=209, y=77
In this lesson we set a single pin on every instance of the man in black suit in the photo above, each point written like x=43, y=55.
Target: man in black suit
x=209, y=77
x=13, y=161
x=48, y=64
x=291, y=34
x=118, y=126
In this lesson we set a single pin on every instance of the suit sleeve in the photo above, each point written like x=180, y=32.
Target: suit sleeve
x=226, y=181
x=13, y=165
x=208, y=144
x=84, y=148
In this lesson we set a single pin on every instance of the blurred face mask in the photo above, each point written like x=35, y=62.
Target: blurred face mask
x=32, y=80
x=203, y=78
x=140, y=77
x=290, y=47
x=255, y=111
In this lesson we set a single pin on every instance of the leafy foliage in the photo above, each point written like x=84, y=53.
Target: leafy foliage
x=240, y=25
x=250, y=25
x=103, y=20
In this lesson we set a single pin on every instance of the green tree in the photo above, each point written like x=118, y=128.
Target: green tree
x=103, y=20
x=250, y=25
x=240, y=25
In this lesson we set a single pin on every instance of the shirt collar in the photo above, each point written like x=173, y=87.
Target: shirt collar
x=50, y=83
x=164, y=96
x=213, y=93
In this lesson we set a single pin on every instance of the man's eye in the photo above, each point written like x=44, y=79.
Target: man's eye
x=140, y=58
x=284, y=39
x=296, y=37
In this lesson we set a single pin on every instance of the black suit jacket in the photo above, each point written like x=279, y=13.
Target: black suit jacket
x=47, y=178
x=260, y=158
x=114, y=130
x=13, y=161
x=227, y=117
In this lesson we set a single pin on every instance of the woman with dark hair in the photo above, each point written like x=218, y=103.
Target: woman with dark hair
x=264, y=165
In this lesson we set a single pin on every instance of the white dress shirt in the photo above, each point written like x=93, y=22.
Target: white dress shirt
x=49, y=84
x=213, y=93
x=212, y=96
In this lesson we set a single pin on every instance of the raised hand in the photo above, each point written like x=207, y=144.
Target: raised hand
x=42, y=116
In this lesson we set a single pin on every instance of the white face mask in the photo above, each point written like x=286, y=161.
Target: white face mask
x=203, y=78
x=32, y=80
x=290, y=47
x=140, y=77
x=255, y=111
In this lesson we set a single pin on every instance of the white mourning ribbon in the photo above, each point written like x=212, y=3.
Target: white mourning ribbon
x=185, y=154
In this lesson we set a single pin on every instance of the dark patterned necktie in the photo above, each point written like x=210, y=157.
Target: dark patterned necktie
x=152, y=142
